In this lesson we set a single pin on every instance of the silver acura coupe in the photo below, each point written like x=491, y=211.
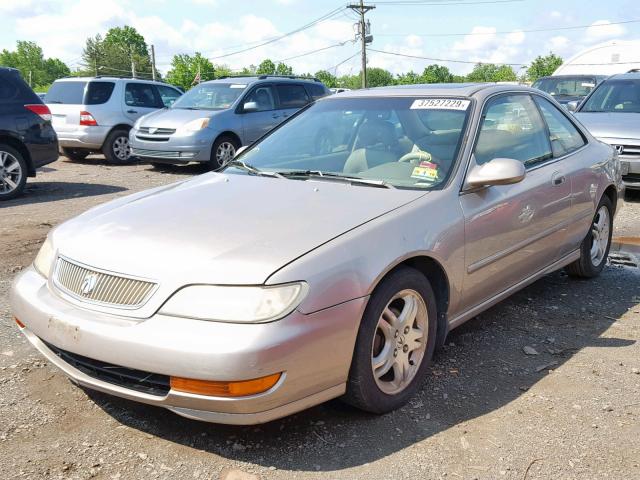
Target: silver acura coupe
x=327, y=260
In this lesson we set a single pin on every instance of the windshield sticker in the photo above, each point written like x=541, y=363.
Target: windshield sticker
x=426, y=173
x=440, y=104
x=586, y=84
x=238, y=85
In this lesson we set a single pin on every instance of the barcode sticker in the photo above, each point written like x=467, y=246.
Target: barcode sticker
x=440, y=104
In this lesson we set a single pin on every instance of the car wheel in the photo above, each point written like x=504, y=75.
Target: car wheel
x=75, y=154
x=13, y=172
x=223, y=151
x=395, y=343
x=594, y=249
x=116, y=147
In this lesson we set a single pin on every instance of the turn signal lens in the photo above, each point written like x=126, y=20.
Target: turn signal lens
x=225, y=389
x=20, y=324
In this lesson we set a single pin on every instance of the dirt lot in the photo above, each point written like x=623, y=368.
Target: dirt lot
x=568, y=409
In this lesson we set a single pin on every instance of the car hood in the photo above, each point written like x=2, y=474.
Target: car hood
x=611, y=125
x=175, y=117
x=220, y=228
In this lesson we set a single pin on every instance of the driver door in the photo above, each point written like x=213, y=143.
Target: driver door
x=257, y=122
x=513, y=231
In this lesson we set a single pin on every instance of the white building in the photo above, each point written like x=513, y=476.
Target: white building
x=609, y=58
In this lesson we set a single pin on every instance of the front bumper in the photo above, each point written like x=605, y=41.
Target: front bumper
x=630, y=172
x=178, y=149
x=87, y=137
x=314, y=351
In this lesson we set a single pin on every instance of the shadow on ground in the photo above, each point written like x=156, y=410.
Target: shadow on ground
x=43, y=192
x=482, y=368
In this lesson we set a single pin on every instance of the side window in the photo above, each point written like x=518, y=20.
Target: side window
x=512, y=128
x=292, y=96
x=263, y=97
x=317, y=90
x=8, y=89
x=168, y=95
x=565, y=137
x=141, y=95
x=98, y=93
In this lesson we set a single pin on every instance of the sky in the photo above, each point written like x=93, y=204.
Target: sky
x=496, y=31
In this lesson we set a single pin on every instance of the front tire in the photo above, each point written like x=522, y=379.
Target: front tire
x=223, y=151
x=116, y=147
x=395, y=343
x=594, y=249
x=13, y=172
x=75, y=154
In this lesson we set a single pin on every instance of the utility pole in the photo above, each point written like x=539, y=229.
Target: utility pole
x=133, y=64
x=365, y=37
x=153, y=63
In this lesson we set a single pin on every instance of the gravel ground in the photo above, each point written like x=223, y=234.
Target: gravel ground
x=566, y=406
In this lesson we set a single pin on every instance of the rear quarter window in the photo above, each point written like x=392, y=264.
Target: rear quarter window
x=97, y=93
x=9, y=91
x=317, y=91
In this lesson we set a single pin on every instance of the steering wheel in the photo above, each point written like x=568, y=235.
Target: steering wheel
x=416, y=157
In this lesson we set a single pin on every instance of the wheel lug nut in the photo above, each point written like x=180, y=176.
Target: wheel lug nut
x=405, y=348
x=395, y=352
x=406, y=330
x=396, y=334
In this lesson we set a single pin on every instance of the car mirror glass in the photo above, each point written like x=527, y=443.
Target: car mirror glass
x=499, y=171
x=250, y=107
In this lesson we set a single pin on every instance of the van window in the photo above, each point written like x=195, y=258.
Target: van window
x=317, y=90
x=292, y=96
x=98, y=93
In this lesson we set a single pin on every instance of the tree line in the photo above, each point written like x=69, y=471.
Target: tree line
x=123, y=50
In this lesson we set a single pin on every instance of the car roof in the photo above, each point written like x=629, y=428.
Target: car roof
x=106, y=77
x=625, y=76
x=250, y=79
x=434, y=89
x=577, y=75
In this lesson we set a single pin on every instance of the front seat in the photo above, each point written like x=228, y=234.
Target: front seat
x=378, y=144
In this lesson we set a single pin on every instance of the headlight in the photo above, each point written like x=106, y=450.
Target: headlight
x=196, y=125
x=235, y=304
x=44, y=260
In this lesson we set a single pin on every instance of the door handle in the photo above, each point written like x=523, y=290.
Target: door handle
x=132, y=111
x=558, y=179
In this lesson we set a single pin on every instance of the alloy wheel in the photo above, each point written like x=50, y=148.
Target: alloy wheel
x=225, y=153
x=121, y=148
x=399, y=342
x=600, y=235
x=10, y=172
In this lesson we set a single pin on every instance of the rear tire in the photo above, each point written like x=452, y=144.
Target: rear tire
x=13, y=172
x=396, y=340
x=223, y=151
x=116, y=147
x=75, y=154
x=594, y=249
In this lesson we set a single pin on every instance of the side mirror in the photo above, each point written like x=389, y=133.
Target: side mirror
x=499, y=171
x=240, y=150
x=250, y=107
x=573, y=105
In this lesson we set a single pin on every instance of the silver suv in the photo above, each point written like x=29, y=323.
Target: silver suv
x=214, y=119
x=95, y=114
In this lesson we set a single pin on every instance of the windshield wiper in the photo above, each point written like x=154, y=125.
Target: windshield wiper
x=251, y=169
x=337, y=177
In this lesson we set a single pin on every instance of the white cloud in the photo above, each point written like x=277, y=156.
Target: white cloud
x=602, y=30
x=483, y=44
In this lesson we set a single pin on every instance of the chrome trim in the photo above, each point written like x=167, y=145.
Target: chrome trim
x=110, y=289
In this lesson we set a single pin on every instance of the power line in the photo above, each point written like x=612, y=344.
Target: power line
x=442, y=3
x=335, y=67
x=576, y=27
x=443, y=59
x=313, y=23
x=314, y=51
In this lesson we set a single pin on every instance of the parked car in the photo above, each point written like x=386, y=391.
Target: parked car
x=612, y=115
x=568, y=88
x=27, y=140
x=210, y=122
x=295, y=277
x=95, y=114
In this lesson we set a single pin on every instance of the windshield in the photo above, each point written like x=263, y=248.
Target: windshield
x=566, y=87
x=621, y=96
x=210, y=96
x=401, y=142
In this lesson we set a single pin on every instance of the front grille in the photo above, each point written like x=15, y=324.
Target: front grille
x=157, y=131
x=138, y=380
x=632, y=177
x=142, y=152
x=97, y=286
x=628, y=151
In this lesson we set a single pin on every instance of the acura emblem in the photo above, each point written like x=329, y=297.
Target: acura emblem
x=88, y=284
x=619, y=149
x=152, y=130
